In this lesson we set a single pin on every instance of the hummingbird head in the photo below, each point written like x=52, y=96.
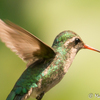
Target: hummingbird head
x=71, y=41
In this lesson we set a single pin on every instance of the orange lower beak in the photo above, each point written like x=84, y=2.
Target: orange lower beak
x=90, y=48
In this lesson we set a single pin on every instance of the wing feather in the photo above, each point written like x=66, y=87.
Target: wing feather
x=24, y=44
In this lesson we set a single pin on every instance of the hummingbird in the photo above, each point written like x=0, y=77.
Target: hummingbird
x=46, y=66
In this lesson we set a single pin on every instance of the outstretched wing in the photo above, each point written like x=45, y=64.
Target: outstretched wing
x=24, y=44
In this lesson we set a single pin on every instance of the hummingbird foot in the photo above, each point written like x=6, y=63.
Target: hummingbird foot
x=39, y=97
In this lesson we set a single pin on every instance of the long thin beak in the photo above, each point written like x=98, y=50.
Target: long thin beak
x=90, y=48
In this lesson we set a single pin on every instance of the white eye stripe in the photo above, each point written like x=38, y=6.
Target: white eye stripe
x=70, y=41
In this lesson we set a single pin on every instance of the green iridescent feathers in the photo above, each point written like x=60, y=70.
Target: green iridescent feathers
x=63, y=37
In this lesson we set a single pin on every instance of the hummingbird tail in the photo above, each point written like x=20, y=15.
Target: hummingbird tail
x=13, y=96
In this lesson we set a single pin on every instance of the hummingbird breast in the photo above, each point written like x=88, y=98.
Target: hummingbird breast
x=56, y=69
x=50, y=76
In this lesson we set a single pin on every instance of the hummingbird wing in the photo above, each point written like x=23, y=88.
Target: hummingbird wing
x=24, y=44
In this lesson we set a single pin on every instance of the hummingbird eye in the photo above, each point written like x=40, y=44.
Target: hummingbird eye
x=77, y=40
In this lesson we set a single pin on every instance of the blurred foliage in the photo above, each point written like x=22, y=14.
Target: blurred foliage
x=45, y=19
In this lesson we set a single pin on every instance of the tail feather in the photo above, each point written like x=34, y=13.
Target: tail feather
x=14, y=96
x=18, y=98
x=11, y=96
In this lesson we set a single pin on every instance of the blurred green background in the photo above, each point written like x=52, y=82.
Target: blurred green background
x=45, y=19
